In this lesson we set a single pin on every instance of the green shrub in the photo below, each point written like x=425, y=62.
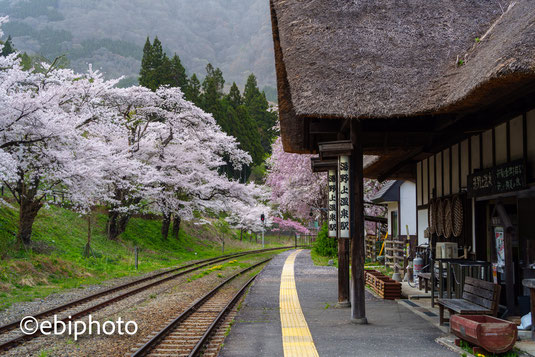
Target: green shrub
x=324, y=245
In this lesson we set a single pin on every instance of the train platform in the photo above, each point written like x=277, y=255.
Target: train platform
x=290, y=311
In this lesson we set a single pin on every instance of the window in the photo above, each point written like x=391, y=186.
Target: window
x=394, y=222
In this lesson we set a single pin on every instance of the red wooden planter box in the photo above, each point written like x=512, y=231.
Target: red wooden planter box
x=383, y=285
x=493, y=334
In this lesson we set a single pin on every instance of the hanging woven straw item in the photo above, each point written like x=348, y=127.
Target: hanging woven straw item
x=440, y=217
x=432, y=216
x=448, y=222
x=457, y=213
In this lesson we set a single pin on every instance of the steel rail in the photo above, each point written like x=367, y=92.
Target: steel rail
x=197, y=265
x=15, y=324
x=154, y=341
x=206, y=337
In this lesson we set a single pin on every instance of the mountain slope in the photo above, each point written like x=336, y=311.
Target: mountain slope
x=234, y=35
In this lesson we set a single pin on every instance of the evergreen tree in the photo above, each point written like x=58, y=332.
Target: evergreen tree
x=258, y=108
x=8, y=48
x=251, y=90
x=193, y=90
x=234, y=96
x=155, y=66
x=26, y=61
x=146, y=71
x=212, y=91
x=178, y=74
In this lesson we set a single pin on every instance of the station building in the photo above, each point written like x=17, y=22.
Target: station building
x=443, y=93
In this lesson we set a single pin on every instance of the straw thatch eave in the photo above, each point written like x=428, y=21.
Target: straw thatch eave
x=385, y=59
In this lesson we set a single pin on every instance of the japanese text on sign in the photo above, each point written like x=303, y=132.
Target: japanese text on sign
x=504, y=178
x=343, y=186
x=333, y=226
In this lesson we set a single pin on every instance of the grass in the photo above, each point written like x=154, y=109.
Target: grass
x=321, y=260
x=55, y=261
x=469, y=348
x=379, y=267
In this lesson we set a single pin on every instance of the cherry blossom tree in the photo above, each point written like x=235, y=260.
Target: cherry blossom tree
x=246, y=217
x=297, y=190
x=288, y=224
x=294, y=187
x=132, y=149
x=178, y=148
x=43, y=145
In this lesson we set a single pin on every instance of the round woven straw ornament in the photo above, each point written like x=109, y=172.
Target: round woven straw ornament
x=432, y=216
x=457, y=212
x=448, y=223
x=440, y=217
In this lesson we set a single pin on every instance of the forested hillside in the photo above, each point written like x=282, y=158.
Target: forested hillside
x=235, y=35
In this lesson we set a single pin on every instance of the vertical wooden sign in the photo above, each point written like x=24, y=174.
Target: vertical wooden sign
x=343, y=196
x=333, y=221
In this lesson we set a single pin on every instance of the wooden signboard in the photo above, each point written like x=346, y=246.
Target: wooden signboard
x=343, y=196
x=333, y=221
x=504, y=178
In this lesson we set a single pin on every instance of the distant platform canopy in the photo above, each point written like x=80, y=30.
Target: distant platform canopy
x=410, y=61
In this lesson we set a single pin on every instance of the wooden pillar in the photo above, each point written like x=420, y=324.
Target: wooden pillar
x=343, y=273
x=509, y=271
x=358, y=308
x=509, y=266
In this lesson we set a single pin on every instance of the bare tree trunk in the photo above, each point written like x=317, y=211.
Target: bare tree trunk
x=27, y=213
x=113, y=225
x=116, y=224
x=117, y=221
x=176, y=225
x=241, y=234
x=166, y=223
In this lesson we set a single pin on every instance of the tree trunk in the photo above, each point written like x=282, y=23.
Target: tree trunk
x=27, y=213
x=166, y=223
x=241, y=234
x=176, y=225
x=116, y=224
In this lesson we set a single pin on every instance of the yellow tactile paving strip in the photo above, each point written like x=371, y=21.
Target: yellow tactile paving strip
x=296, y=337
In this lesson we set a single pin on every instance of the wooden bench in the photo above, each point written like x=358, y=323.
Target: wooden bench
x=425, y=278
x=479, y=298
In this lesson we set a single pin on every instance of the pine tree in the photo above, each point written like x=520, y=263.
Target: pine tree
x=234, y=96
x=155, y=65
x=8, y=47
x=146, y=72
x=178, y=74
x=193, y=90
x=212, y=90
x=26, y=61
x=251, y=91
x=258, y=108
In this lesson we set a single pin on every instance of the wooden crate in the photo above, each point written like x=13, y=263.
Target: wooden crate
x=383, y=285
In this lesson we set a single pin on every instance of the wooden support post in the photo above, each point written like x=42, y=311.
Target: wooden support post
x=358, y=308
x=509, y=267
x=448, y=279
x=343, y=273
x=509, y=271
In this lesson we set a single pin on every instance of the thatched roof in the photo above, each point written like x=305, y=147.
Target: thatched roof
x=393, y=59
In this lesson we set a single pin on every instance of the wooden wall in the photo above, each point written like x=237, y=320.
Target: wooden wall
x=445, y=173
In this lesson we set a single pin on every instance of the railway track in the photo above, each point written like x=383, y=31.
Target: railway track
x=11, y=337
x=190, y=333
